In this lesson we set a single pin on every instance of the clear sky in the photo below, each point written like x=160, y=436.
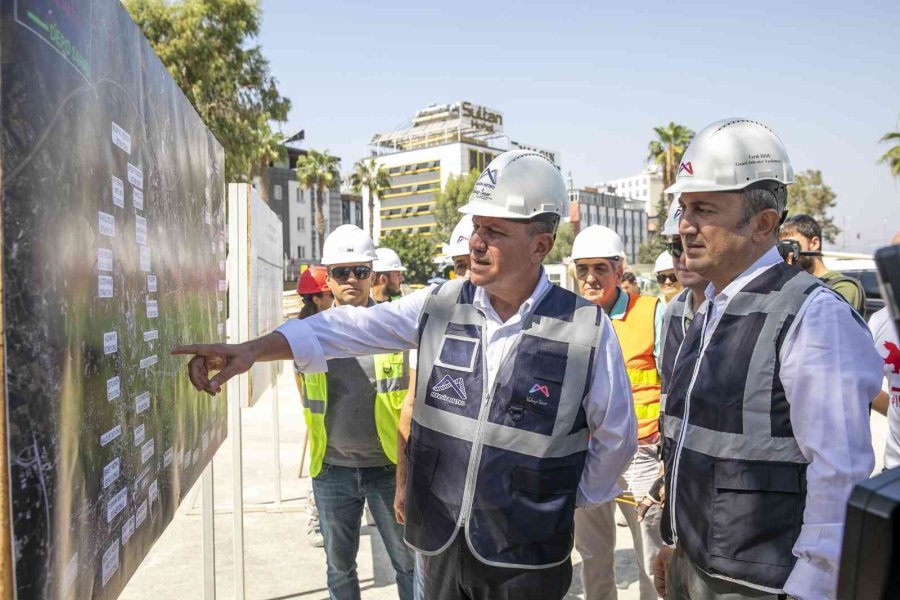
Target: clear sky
x=590, y=80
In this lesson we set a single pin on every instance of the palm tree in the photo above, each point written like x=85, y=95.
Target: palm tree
x=668, y=149
x=374, y=178
x=318, y=171
x=270, y=145
x=892, y=156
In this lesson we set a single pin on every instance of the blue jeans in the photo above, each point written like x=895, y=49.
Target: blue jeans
x=341, y=493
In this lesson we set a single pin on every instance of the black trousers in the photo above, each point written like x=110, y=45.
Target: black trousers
x=455, y=574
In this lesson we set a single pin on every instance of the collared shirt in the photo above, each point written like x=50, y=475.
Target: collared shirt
x=830, y=373
x=621, y=306
x=352, y=331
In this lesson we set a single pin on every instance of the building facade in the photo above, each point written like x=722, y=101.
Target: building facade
x=628, y=218
x=440, y=141
x=645, y=187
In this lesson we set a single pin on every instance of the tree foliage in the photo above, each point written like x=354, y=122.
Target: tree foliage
x=649, y=250
x=668, y=148
x=810, y=196
x=562, y=247
x=372, y=177
x=447, y=203
x=892, y=157
x=416, y=253
x=319, y=172
x=206, y=45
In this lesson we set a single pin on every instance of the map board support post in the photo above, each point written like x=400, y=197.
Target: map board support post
x=6, y=534
x=276, y=442
x=209, y=535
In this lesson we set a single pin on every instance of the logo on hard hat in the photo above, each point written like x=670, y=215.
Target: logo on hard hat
x=686, y=166
x=492, y=175
x=462, y=238
x=456, y=386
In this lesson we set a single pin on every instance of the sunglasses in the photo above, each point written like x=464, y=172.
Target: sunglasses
x=675, y=247
x=661, y=279
x=342, y=274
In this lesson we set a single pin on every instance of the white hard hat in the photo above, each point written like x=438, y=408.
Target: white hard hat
x=663, y=263
x=674, y=216
x=597, y=241
x=518, y=184
x=387, y=261
x=459, y=239
x=348, y=244
x=730, y=155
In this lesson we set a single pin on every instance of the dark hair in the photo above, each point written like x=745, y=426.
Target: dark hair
x=629, y=277
x=309, y=307
x=805, y=225
x=543, y=223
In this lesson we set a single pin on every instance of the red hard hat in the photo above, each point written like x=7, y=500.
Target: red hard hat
x=312, y=281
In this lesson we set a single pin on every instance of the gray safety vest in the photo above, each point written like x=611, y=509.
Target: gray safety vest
x=502, y=463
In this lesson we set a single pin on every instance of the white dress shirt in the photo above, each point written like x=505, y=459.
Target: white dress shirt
x=393, y=326
x=830, y=373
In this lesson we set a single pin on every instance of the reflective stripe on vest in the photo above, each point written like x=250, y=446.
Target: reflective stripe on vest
x=636, y=331
x=391, y=382
x=671, y=336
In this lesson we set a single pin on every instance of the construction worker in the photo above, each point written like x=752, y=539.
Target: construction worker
x=352, y=406
x=669, y=286
x=598, y=254
x=630, y=284
x=389, y=272
x=806, y=232
x=458, y=248
x=523, y=407
x=765, y=420
x=888, y=346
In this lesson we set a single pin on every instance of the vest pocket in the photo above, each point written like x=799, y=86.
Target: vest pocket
x=421, y=463
x=756, y=511
x=543, y=503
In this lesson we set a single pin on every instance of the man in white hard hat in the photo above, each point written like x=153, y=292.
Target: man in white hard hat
x=388, y=277
x=765, y=417
x=669, y=286
x=598, y=254
x=458, y=248
x=522, y=409
x=352, y=407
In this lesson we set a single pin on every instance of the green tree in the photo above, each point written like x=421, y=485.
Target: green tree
x=319, y=171
x=667, y=150
x=416, y=253
x=271, y=149
x=374, y=178
x=562, y=247
x=447, y=203
x=810, y=196
x=892, y=156
x=206, y=45
x=649, y=250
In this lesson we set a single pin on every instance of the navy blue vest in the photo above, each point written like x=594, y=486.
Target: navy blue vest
x=504, y=464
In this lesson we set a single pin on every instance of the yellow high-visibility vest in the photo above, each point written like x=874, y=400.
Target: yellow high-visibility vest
x=636, y=333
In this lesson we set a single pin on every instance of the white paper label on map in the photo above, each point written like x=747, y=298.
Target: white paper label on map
x=110, y=561
x=121, y=138
x=149, y=361
x=142, y=402
x=212, y=246
x=140, y=230
x=105, y=286
x=118, y=192
x=168, y=456
x=110, y=435
x=207, y=217
x=221, y=328
x=113, y=388
x=127, y=530
x=153, y=493
x=220, y=306
x=221, y=245
x=107, y=224
x=70, y=572
x=152, y=309
x=145, y=258
x=147, y=451
x=180, y=457
x=195, y=456
x=139, y=434
x=141, y=514
x=137, y=199
x=223, y=285
x=151, y=283
x=151, y=335
x=110, y=342
x=116, y=504
x=140, y=481
x=111, y=472
x=135, y=176
x=204, y=441
x=104, y=259
x=222, y=265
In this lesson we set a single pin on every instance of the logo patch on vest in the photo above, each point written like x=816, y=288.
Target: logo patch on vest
x=452, y=386
x=540, y=388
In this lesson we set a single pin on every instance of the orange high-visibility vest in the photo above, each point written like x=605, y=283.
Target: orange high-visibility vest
x=636, y=333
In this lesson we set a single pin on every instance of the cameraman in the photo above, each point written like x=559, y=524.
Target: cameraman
x=806, y=235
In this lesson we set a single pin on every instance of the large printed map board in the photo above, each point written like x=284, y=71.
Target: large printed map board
x=113, y=253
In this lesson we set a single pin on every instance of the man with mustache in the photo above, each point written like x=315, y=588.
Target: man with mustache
x=765, y=420
x=523, y=407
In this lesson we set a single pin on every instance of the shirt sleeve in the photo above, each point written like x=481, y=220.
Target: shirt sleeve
x=830, y=372
x=610, y=417
x=657, y=331
x=348, y=331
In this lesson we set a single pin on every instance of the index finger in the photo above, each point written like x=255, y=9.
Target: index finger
x=201, y=349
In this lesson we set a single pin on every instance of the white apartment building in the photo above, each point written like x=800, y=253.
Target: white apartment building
x=645, y=186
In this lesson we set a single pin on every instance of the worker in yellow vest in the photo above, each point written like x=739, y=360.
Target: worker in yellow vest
x=599, y=255
x=352, y=412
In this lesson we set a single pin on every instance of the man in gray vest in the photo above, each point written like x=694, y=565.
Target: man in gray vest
x=523, y=406
x=765, y=422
